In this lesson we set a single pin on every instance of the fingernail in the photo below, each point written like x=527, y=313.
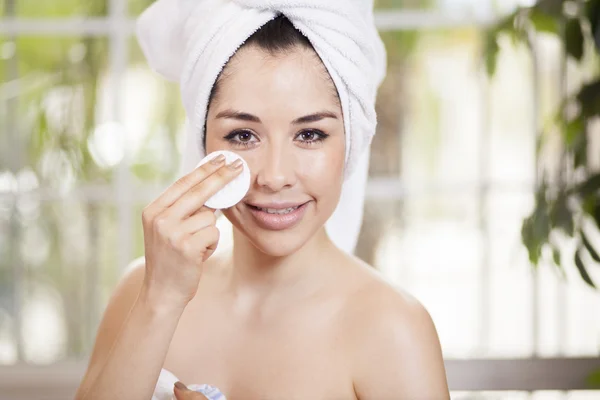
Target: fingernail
x=218, y=159
x=236, y=164
x=181, y=386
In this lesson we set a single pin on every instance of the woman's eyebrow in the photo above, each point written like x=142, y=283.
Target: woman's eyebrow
x=243, y=116
x=314, y=117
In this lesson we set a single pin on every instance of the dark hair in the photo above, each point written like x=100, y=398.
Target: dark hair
x=277, y=36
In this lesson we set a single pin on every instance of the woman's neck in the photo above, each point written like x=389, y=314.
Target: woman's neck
x=260, y=275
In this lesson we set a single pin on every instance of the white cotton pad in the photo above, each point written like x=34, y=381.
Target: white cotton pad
x=235, y=190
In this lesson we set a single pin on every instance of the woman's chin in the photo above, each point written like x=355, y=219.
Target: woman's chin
x=277, y=243
x=280, y=243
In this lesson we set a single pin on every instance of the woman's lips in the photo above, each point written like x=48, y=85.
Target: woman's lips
x=277, y=222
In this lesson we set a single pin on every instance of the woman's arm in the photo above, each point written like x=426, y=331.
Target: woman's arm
x=180, y=234
x=131, y=345
x=399, y=354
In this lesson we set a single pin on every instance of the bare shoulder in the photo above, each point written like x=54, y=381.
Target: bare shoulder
x=373, y=299
x=122, y=299
x=395, y=345
x=133, y=275
x=119, y=305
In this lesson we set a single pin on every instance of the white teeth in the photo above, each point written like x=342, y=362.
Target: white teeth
x=278, y=211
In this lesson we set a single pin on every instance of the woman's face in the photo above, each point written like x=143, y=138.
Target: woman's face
x=282, y=115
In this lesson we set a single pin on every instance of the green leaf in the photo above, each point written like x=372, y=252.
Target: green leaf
x=491, y=53
x=40, y=136
x=556, y=256
x=573, y=130
x=581, y=268
x=589, y=247
x=596, y=211
x=491, y=48
x=534, y=250
x=592, y=13
x=541, y=217
x=594, y=379
x=557, y=259
x=544, y=22
x=507, y=23
x=553, y=7
x=587, y=204
x=589, y=186
x=580, y=150
x=574, y=39
x=561, y=216
x=536, y=228
x=589, y=99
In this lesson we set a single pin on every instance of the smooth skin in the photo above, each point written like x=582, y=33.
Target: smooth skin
x=127, y=357
x=284, y=314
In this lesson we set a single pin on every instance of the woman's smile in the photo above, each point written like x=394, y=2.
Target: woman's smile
x=277, y=216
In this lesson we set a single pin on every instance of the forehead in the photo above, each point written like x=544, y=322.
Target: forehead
x=298, y=76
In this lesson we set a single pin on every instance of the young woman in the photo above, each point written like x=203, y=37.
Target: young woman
x=286, y=314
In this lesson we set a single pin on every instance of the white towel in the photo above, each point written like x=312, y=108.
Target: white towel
x=190, y=41
x=166, y=380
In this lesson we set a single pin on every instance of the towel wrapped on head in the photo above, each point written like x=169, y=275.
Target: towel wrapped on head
x=190, y=42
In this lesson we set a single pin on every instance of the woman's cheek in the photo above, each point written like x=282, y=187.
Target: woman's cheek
x=214, y=144
x=321, y=169
x=253, y=159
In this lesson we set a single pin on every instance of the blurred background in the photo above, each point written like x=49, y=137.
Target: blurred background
x=483, y=201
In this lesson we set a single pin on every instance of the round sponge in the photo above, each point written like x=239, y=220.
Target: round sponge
x=235, y=190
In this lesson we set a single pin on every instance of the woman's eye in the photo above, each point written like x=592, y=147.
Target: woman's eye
x=311, y=136
x=244, y=136
x=308, y=136
x=241, y=138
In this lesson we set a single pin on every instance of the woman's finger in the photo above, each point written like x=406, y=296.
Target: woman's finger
x=184, y=184
x=198, y=221
x=195, y=198
x=183, y=393
x=201, y=244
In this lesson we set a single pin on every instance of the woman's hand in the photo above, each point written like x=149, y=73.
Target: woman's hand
x=183, y=393
x=180, y=233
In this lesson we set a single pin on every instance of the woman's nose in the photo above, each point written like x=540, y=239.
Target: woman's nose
x=276, y=170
